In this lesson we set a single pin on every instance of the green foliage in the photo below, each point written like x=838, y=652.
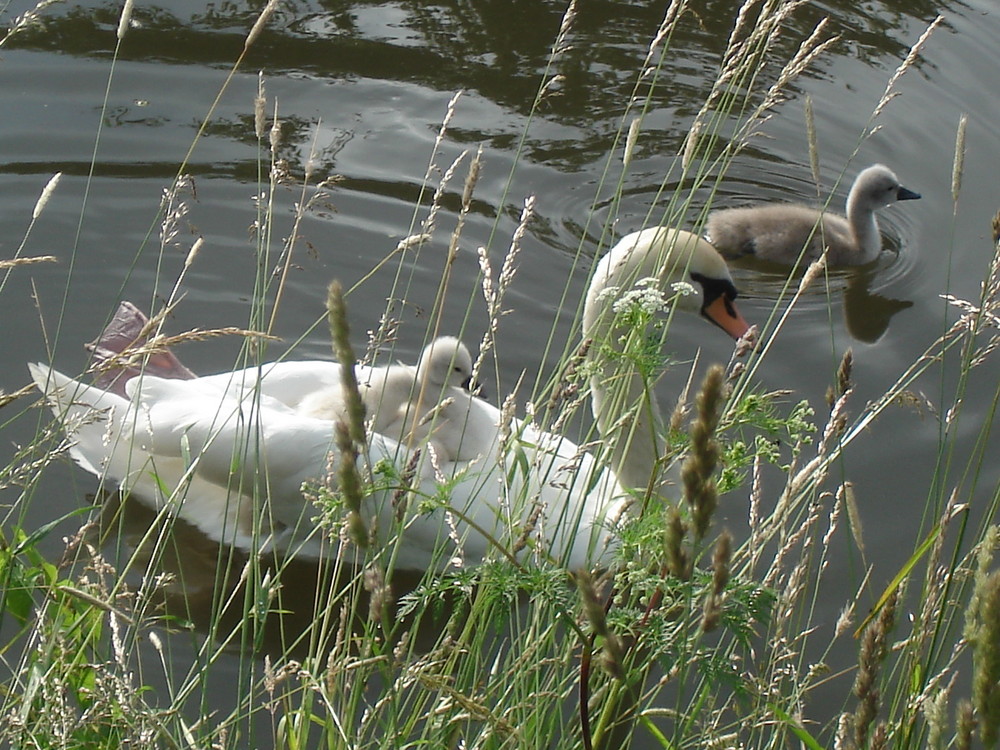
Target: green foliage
x=760, y=411
x=642, y=326
x=502, y=655
x=74, y=691
x=494, y=584
x=24, y=576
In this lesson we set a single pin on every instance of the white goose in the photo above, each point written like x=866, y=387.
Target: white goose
x=209, y=448
x=779, y=231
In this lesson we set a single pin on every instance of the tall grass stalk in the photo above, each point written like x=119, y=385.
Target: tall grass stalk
x=694, y=637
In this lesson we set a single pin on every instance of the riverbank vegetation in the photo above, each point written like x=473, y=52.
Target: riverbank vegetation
x=697, y=635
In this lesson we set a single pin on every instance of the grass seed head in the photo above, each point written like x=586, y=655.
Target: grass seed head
x=699, y=486
x=874, y=646
x=260, y=23
x=125, y=19
x=965, y=725
x=721, y=560
x=46, y=194
x=958, y=164
x=401, y=497
x=274, y=134
x=260, y=109
x=593, y=607
x=380, y=595
x=986, y=660
x=341, y=335
x=678, y=562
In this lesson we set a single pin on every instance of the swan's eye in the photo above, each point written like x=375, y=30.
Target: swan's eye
x=713, y=288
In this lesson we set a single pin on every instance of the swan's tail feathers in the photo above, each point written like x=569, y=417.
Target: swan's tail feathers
x=87, y=414
x=129, y=330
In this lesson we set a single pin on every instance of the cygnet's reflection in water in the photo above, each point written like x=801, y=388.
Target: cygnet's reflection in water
x=278, y=605
x=867, y=313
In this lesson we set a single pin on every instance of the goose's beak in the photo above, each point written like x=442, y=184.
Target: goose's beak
x=906, y=194
x=724, y=314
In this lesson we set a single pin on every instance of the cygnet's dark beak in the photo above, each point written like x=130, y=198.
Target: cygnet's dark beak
x=905, y=194
x=473, y=387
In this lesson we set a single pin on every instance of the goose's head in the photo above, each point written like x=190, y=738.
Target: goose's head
x=670, y=256
x=878, y=186
x=446, y=361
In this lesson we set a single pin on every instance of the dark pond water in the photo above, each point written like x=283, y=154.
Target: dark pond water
x=364, y=87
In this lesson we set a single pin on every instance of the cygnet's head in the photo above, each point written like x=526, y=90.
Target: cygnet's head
x=446, y=361
x=878, y=186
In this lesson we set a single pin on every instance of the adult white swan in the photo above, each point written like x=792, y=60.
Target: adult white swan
x=779, y=231
x=211, y=449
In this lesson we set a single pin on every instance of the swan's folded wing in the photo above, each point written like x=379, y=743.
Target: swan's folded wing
x=244, y=444
x=88, y=414
x=286, y=382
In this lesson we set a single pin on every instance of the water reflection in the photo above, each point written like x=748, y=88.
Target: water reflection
x=216, y=589
x=498, y=50
x=867, y=312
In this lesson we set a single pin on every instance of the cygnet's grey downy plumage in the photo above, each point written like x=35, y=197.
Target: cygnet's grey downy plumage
x=388, y=391
x=779, y=231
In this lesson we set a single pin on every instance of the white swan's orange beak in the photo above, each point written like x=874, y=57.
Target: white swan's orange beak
x=723, y=313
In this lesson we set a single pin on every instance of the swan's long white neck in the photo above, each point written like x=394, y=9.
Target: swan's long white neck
x=624, y=405
x=864, y=225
